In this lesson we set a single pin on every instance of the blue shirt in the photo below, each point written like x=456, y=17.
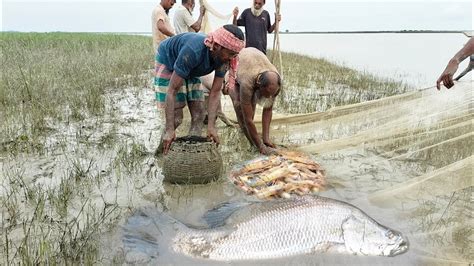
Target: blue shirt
x=187, y=56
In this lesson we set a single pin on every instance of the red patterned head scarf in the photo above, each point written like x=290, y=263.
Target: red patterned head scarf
x=227, y=40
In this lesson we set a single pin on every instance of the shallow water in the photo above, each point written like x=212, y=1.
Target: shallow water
x=414, y=58
x=404, y=160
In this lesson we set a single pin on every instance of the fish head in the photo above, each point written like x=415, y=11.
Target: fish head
x=386, y=242
x=372, y=239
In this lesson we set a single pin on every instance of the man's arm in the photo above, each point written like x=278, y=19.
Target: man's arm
x=175, y=83
x=241, y=20
x=448, y=73
x=214, y=99
x=196, y=26
x=235, y=12
x=246, y=107
x=160, y=24
x=272, y=27
x=247, y=115
x=266, y=120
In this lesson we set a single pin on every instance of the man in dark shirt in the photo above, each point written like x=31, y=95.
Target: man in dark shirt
x=256, y=21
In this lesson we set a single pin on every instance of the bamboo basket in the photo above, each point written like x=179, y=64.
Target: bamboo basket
x=192, y=160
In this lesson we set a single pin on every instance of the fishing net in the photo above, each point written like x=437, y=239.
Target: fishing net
x=408, y=154
x=212, y=18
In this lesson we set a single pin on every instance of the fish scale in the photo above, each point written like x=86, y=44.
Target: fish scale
x=290, y=227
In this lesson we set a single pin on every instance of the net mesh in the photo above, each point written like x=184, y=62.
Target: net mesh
x=212, y=18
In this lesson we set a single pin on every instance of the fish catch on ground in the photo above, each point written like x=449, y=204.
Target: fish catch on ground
x=279, y=176
x=281, y=228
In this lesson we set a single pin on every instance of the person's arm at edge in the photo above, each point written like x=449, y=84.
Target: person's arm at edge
x=448, y=73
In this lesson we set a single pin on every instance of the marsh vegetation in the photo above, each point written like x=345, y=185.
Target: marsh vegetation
x=77, y=137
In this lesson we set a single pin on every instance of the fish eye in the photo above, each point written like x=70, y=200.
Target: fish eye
x=390, y=234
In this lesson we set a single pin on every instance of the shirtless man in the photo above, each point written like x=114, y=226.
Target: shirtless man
x=257, y=82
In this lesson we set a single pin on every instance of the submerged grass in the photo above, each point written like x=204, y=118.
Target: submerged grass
x=52, y=82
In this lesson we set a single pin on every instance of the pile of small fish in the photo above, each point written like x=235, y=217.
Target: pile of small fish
x=279, y=176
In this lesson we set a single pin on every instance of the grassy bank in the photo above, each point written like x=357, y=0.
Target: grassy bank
x=72, y=166
x=317, y=85
x=62, y=77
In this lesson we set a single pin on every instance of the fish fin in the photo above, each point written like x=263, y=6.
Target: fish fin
x=219, y=214
x=148, y=231
x=353, y=237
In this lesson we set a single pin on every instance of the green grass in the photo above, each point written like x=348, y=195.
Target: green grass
x=54, y=82
x=62, y=77
x=317, y=85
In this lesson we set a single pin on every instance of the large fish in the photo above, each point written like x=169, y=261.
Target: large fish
x=286, y=227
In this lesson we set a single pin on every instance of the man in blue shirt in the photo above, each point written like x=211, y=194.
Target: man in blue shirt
x=178, y=64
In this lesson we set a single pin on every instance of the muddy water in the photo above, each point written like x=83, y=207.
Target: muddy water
x=405, y=160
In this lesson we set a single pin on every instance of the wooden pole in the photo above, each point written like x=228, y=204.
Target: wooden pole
x=276, y=39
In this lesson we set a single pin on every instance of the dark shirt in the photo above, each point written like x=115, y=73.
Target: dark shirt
x=187, y=56
x=256, y=29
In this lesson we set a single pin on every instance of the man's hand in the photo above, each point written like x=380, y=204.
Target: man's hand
x=447, y=75
x=235, y=12
x=278, y=17
x=212, y=134
x=168, y=138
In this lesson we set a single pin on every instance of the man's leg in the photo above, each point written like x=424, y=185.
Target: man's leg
x=195, y=101
x=197, y=111
x=161, y=82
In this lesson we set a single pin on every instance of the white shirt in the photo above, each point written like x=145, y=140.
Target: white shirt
x=183, y=19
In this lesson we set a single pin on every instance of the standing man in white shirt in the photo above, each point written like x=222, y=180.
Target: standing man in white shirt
x=160, y=22
x=183, y=17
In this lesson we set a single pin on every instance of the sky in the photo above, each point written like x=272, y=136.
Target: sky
x=297, y=15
